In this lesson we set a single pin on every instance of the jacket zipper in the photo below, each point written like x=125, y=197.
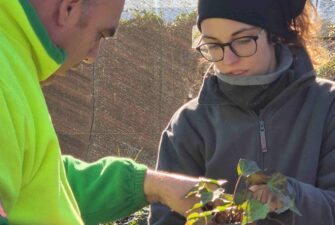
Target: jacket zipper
x=262, y=135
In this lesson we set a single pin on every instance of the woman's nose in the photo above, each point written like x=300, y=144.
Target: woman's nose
x=230, y=57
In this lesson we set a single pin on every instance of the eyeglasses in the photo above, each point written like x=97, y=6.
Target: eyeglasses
x=242, y=47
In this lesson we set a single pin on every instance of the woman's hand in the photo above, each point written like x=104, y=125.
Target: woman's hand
x=263, y=194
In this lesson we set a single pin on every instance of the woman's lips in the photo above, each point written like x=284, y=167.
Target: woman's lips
x=238, y=72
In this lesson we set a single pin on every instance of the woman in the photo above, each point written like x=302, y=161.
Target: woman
x=263, y=102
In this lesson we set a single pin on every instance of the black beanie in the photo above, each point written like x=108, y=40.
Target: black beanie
x=272, y=15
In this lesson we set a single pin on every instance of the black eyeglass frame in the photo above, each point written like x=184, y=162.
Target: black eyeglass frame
x=229, y=44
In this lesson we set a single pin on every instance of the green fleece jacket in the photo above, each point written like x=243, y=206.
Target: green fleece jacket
x=37, y=185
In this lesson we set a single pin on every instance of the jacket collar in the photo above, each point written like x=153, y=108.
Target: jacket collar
x=302, y=70
x=286, y=60
x=19, y=21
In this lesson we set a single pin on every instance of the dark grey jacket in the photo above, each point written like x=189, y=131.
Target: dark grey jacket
x=293, y=134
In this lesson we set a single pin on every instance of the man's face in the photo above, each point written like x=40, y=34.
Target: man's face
x=82, y=31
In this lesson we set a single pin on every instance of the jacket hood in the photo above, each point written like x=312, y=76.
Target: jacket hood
x=20, y=23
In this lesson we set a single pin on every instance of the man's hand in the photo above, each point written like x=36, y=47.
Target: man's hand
x=170, y=189
x=262, y=194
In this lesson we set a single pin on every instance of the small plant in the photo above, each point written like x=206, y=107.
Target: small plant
x=241, y=207
x=138, y=218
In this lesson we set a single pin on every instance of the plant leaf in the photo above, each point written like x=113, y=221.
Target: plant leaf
x=288, y=204
x=258, y=178
x=206, y=213
x=191, y=222
x=227, y=197
x=277, y=182
x=241, y=197
x=194, y=215
x=219, y=183
x=218, y=193
x=197, y=205
x=246, y=167
x=206, y=196
x=253, y=211
x=192, y=192
x=206, y=181
x=277, y=185
x=221, y=208
x=197, y=215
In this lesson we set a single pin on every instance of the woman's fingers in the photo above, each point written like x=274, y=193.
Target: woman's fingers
x=262, y=194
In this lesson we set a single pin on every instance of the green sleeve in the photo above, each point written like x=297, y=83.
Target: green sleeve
x=3, y=221
x=108, y=189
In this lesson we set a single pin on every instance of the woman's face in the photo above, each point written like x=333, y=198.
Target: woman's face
x=218, y=30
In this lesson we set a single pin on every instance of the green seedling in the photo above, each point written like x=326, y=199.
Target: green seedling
x=216, y=207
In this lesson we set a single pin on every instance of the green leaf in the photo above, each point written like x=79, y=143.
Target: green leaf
x=288, y=204
x=241, y=196
x=258, y=178
x=191, y=222
x=227, y=197
x=195, y=206
x=201, y=186
x=204, y=182
x=246, y=167
x=197, y=215
x=192, y=192
x=218, y=193
x=221, y=208
x=206, y=196
x=206, y=213
x=277, y=185
x=277, y=182
x=219, y=183
x=253, y=211
x=194, y=215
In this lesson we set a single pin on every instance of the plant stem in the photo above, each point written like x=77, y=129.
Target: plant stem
x=236, y=186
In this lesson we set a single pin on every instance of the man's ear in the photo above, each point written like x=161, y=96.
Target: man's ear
x=69, y=12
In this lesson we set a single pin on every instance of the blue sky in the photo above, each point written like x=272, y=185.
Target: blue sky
x=160, y=3
x=327, y=8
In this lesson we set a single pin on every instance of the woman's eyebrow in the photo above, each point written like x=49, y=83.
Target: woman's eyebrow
x=243, y=30
x=232, y=35
x=209, y=37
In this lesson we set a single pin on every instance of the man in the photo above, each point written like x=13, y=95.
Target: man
x=38, y=185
